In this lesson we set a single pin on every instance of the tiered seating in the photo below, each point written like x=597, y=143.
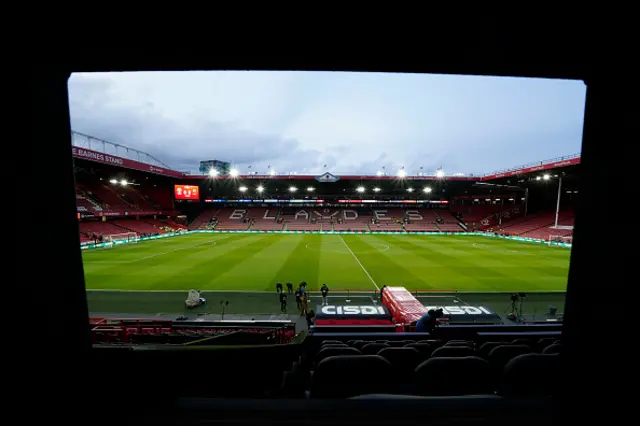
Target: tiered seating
x=339, y=369
x=139, y=226
x=257, y=217
x=426, y=224
x=203, y=220
x=240, y=222
x=100, y=228
x=345, y=220
x=326, y=217
x=303, y=225
x=160, y=197
x=476, y=213
x=392, y=220
x=447, y=222
x=139, y=201
x=564, y=219
x=110, y=198
x=532, y=226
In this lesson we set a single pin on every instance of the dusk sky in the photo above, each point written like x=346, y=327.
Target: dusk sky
x=352, y=122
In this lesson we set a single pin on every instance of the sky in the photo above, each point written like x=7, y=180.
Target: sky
x=352, y=123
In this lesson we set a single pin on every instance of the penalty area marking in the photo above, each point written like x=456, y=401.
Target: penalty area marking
x=208, y=242
x=490, y=248
x=358, y=260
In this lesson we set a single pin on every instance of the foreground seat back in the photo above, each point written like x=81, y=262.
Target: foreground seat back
x=531, y=374
x=453, y=351
x=326, y=352
x=346, y=376
x=449, y=376
x=502, y=354
x=373, y=348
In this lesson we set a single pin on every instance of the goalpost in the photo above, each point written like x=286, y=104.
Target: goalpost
x=131, y=237
x=561, y=238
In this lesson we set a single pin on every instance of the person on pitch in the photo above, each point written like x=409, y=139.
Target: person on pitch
x=278, y=287
x=289, y=287
x=283, y=302
x=304, y=302
x=324, y=290
x=298, y=295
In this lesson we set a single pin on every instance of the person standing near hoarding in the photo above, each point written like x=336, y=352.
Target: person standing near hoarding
x=324, y=290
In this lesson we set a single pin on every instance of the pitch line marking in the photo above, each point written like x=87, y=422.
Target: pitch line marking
x=181, y=248
x=310, y=246
x=358, y=260
x=161, y=254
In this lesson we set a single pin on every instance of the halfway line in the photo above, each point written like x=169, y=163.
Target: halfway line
x=358, y=260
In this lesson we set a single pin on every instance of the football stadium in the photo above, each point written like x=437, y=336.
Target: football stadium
x=150, y=235
x=329, y=276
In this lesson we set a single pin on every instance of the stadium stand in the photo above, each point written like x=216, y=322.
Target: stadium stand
x=408, y=366
x=232, y=219
x=357, y=220
x=389, y=220
x=536, y=225
x=265, y=219
x=204, y=219
x=420, y=220
x=302, y=220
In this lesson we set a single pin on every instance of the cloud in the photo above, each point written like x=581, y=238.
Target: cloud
x=182, y=145
x=354, y=123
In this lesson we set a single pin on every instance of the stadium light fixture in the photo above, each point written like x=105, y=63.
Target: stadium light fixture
x=538, y=177
x=402, y=173
x=124, y=182
x=233, y=173
x=360, y=189
x=310, y=189
x=427, y=189
x=376, y=189
x=242, y=189
x=213, y=172
x=292, y=189
x=409, y=189
x=379, y=173
x=440, y=173
x=546, y=177
x=113, y=181
x=260, y=188
x=272, y=172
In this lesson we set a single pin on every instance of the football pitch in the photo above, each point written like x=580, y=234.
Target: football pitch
x=154, y=276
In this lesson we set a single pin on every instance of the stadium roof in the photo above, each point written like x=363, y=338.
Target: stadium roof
x=98, y=150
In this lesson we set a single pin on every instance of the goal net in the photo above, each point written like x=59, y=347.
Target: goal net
x=564, y=234
x=112, y=239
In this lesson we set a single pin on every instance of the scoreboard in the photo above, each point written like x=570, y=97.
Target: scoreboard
x=186, y=192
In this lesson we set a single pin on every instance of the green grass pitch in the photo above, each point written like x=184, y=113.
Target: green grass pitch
x=255, y=262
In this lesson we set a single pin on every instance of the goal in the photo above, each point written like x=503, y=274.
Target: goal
x=561, y=238
x=566, y=239
x=131, y=237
